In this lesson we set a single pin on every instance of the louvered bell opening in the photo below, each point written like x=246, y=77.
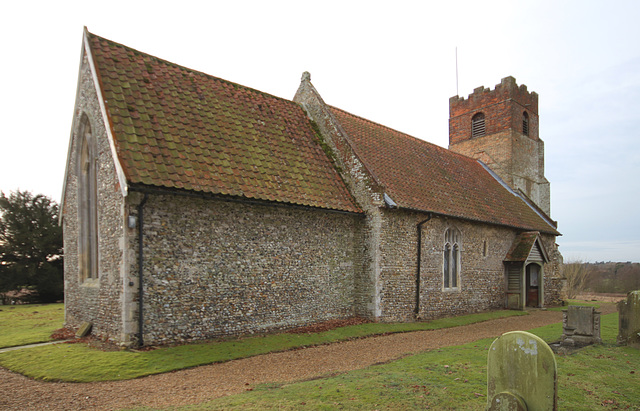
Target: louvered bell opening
x=477, y=125
x=525, y=124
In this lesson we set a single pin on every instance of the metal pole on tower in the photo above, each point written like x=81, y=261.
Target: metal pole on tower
x=457, y=71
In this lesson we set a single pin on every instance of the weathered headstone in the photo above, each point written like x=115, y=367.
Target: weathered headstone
x=580, y=326
x=629, y=319
x=521, y=373
x=85, y=329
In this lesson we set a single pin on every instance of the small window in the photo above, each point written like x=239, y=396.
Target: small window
x=525, y=123
x=477, y=125
x=451, y=259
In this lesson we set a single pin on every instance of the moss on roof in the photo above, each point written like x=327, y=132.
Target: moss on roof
x=178, y=128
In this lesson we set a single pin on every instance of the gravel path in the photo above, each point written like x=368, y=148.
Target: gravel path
x=212, y=381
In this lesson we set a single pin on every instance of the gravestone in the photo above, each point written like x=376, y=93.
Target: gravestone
x=84, y=330
x=580, y=326
x=521, y=373
x=629, y=319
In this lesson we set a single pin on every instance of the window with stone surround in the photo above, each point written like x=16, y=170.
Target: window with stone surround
x=451, y=259
x=477, y=125
x=525, y=123
x=87, y=203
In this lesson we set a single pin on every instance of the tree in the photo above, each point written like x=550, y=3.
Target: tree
x=31, y=245
x=576, y=273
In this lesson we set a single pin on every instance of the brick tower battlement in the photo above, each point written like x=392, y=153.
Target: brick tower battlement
x=502, y=107
x=500, y=128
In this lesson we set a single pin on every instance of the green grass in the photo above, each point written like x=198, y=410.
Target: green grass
x=29, y=324
x=603, y=376
x=80, y=363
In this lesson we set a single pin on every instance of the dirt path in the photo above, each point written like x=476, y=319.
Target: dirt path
x=212, y=381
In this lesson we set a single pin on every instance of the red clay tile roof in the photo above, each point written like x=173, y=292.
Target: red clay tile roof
x=178, y=128
x=422, y=176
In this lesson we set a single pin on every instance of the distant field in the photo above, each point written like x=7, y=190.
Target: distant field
x=604, y=297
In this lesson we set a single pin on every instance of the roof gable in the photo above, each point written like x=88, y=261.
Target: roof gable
x=181, y=129
x=422, y=176
x=525, y=245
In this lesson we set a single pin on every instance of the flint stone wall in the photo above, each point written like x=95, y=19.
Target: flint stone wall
x=215, y=269
x=99, y=300
x=481, y=280
x=481, y=283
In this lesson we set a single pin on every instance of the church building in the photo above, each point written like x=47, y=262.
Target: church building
x=196, y=208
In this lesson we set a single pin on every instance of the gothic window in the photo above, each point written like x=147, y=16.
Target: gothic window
x=451, y=258
x=477, y=125
x=525, y=123
x=87, y=203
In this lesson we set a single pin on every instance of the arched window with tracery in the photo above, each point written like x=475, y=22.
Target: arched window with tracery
x=525, y=123
x=87, y=203
x=451, y=258
x=477, y=125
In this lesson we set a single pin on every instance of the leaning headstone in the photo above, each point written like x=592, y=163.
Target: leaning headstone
x=629, y=319
x=521, y=373
x=85, y=329
x=580, y=326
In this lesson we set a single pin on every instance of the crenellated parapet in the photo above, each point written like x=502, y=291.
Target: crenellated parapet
x=503, y=108
x=507, y=89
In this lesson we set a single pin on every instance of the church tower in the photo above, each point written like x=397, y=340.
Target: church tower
x=500, y=128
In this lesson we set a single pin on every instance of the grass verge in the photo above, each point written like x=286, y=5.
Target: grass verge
x=80, y=363
x=602, y=376
x=29, y=324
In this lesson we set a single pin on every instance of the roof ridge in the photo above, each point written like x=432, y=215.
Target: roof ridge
x=383, y=126
x=202, y=73
x=417, y=139
x=458, y=186
x=180, y=128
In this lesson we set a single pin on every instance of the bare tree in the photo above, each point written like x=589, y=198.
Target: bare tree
x=576, y=274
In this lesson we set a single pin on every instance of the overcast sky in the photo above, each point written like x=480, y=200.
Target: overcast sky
x=391, y=62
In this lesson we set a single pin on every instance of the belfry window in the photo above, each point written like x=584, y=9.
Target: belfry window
x=451, y=259
x=525, y=123
x=87, y=203
x=477, y=125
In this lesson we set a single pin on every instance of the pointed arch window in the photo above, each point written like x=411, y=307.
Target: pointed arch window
x=477, y=125
x=525, y=123
x=87, y=203
x=451, y=259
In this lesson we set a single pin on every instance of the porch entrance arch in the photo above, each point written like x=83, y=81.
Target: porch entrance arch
x=524, y=272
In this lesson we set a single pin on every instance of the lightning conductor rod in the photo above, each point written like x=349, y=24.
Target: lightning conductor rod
x=457, y=94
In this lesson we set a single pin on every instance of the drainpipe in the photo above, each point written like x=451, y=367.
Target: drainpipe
x=419, y=227
x=140, y=264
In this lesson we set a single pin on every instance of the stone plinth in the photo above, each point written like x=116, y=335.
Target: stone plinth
x=580, y=326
